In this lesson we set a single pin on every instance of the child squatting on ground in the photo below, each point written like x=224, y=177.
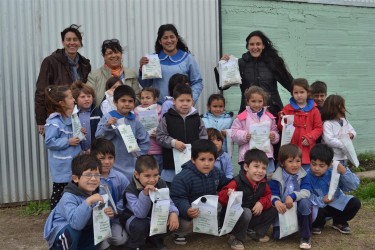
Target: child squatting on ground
x=258, y=212
x=341, y=208
x=289, y=184
x=69, y=225
x=198, y=177
x=138, y=205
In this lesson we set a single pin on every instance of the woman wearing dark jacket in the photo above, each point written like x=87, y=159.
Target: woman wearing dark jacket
x=263, y=67
x=64, y=66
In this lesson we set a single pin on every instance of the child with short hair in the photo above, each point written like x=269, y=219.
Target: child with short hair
x=258, y=212
x=104, y=151
x=179, y=126
x=217, y=117
x=319, y=93
x=342, y=207
x=89, y=116
x=198, y=177
x=107, y=104
x=255, y=113
x=223, y=161
x=138, y=205
x=307, y=120
x=336, y=125
x=175, y=80
x=124, y=99
x=289, y=184
x=149, y=98
x=69, y=225
x=61, y=144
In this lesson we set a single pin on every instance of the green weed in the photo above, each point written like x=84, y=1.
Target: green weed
x=366, y=190
x=36, y=208
x=368, y=155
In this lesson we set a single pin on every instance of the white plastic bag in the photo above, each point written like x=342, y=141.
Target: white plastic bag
x=288, y=129
x=160, y=211
x=180, y=158
x=127, y=136
x=229, y=73
x=206, y=222
x=149, y=120
x=288, y=221
x=230, y=143
x=101, y=222
x=260, y=136
x=349, y=149
x=76, y=125
x=335, y=178
x=233, y=213
x=152, y=69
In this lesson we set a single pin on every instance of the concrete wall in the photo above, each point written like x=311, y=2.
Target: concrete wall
x=334, y=44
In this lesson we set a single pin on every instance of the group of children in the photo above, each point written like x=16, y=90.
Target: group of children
x=303, y=174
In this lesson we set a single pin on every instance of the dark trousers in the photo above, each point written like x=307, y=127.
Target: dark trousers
x=69, y=238
x=139, y=229
x=57, y=191
x=259, y=224
x=339, y=217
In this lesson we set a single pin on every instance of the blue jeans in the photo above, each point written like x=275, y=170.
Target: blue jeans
x=69, y=238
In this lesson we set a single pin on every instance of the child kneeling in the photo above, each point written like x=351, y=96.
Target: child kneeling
x=258, y=212
x=341, y=207
x=138, y=205
x=289, y=184
x=69, y=225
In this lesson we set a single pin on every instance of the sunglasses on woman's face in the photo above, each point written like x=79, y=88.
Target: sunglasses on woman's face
x=106, y=42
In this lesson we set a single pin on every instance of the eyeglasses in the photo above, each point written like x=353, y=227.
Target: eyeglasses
x=89, y=176
x=106, y=42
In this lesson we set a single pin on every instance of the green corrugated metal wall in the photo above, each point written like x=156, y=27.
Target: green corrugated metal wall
x=334, y=44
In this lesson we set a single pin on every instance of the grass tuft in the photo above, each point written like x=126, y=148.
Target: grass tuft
x=365, y=191
x=36, y=208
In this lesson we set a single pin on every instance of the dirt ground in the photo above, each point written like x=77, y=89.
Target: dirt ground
x=26, y=232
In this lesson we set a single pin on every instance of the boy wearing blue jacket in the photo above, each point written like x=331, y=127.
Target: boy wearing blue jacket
x=69, y=225
x=124, y=99
x=341, y=207
x=138, y=205
x=198, y=177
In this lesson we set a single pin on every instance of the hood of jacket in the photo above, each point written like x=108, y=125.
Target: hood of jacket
x=309, y=105
x=74, y=189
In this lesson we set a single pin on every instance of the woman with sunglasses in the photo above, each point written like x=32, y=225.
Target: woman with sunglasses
x=174, y=58
x=62, y=67
x=112, y=55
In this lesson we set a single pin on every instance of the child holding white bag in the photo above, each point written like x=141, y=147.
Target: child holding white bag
x=255, y=113
x=336, y=125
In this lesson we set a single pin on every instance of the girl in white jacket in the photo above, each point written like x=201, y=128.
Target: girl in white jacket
x=336, y=126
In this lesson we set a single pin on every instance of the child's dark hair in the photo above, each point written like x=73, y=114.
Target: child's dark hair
x=333, y=105
x=123, y=90
x=102, y=146
x=322, y=152
x=155, y=92
x=145, y=162
x=112, y=81
x=112, y=44
x=318, y=87
x=256, y=90
x=289, y=150
x=214, y=133
x=72, y=28
x=54, y=95
x=215, y=97
x=79, y=87
x=175, y=80
x=255, y=155
x=203, y=146
x=84, y=162
x=182, y=89
x=301, y=82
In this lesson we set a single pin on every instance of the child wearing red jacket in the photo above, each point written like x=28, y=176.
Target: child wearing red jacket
x=258, y=212
x=307, y=120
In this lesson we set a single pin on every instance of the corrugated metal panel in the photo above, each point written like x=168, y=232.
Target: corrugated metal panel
x=30, y=31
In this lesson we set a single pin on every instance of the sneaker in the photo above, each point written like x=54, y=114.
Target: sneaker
x=316, y=230
x=253, y=235
x=344, y=229
x=235, y=244
x=179, y=240
x=305, y=243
